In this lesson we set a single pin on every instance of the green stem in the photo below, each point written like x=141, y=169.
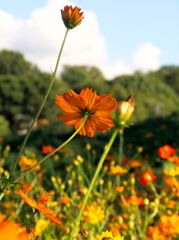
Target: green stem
x=25, y=172
x=41, y=106
x=4, y=189
x=100, y=164
x=83, y=174
x=121, y=145
x=146, y=219
x=154, y=190
x=2, y=194
x=28, y=222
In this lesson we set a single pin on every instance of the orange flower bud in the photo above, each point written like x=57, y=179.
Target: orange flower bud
x=71, y=16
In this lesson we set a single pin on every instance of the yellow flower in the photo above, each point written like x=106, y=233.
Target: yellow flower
x=172, y=171
x=25, y=163
x=40, y=226
x=93, y=214
x=117, y=170
x=107, y=235
x=52, y=203
x=4, y=172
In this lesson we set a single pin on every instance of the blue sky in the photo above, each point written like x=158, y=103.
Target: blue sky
x=125, y=25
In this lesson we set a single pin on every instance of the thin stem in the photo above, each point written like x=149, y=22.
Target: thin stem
x=100, y=164
x=25, y=172
x=41, y=106
x=4, y=189
x=146, y=219
x=121, y=145
x=2, y=194
x=29, y=221
x=83, y=174
x=154, y=190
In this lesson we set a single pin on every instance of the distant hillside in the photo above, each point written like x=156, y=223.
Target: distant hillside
x=23, y=85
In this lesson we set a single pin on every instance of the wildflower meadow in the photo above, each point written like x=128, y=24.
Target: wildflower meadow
x=99, y=179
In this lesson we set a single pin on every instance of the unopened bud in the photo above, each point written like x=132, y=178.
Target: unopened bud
x=146, y=201
x=88, y=147
x=71, y=16
x=124, y=112
x=131, y=224
x=132, y=180
x=80, y=159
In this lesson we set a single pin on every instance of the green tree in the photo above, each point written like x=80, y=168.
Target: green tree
x=152, y=95
x=13, y=63
x=22, y=89
x=170, y=75
x=4, y=127
x=79, y=77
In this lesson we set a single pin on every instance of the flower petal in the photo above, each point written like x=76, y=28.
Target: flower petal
x=89, y=97
x=50, y=214
x=69, y=118
x=32, y=203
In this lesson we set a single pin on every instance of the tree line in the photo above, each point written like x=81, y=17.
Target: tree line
x=23, y=85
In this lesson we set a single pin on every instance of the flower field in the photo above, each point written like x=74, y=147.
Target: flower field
x=53, y=192
x=130, y=200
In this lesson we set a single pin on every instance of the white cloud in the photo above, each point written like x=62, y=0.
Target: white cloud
x=146, y=58
x=39, y=38
x=8, y=29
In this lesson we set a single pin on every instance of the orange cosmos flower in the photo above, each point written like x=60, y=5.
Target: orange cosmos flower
x=117, y=171
x=65, y=200
x=119, y=189
x=40, y=205
x=98, y=108
x=169, y=224
x=71, y=16
x=147, y=177
x=134, y=164
x=166, y=151
x=10, y=230
x=134, y=200
x=26, y=163
x=170, y=182
x=154, y=233
x=46, y=149
x=174, y=159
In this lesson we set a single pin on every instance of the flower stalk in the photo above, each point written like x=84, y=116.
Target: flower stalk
x=121, y=145
x=85, y=200
x=27, y=171
x=41, y=106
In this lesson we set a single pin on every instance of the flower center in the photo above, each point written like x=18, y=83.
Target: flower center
x=86, y=112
